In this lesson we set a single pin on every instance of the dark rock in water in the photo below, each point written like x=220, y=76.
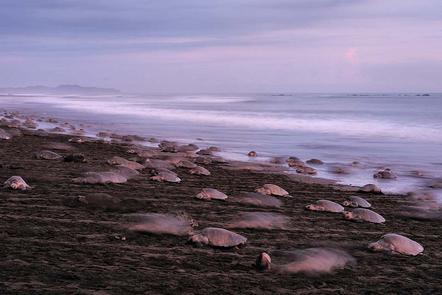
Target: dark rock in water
x=385, y=174
x=77, y=158
x=252, y=154
x=315, y=162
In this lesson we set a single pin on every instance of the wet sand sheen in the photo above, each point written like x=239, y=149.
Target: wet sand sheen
x=54, y=245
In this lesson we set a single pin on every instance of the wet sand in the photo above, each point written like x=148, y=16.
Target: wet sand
x=51, y=245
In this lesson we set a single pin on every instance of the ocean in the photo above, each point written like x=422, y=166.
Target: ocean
x=399, y=131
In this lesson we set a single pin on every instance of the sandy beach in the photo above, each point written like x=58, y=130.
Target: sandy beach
x=54, y=244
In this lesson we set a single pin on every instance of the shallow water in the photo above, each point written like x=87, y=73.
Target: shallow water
x=399, y=131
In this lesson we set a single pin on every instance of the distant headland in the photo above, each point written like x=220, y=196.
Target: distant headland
x=66, y=89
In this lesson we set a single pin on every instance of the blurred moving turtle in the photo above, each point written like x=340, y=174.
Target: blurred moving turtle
x=260, y=220
x=4, y=135
x=218, y=237
x=361, y=214
x=99, y=201
x=395, y=243
x=47, y=155
x=325, y=206
x=211, y=194
x=272, y=190
x=370, y=188
x=310, y=261
x=158, y=223
x=257, y=199
x=17, y=183
x=355, y=201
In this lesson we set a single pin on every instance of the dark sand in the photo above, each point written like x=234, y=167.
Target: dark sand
x=49, y=246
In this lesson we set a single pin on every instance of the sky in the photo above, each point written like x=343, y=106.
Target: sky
x=224, y=46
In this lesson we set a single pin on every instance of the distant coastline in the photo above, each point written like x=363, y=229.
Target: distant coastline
x=64, y=89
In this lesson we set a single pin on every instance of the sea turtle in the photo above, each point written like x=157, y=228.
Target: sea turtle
x=158, y=223
x=4, y=135
x=116, y=160
x=158, y=164
x=198, y=170
x=186, y=164
x=168, y=146
x=325, y=206
x=257, y=199
x=57, y=130
x=355, y=201
x=386, y=173
x=166, y=175
x=361, y=214
x=103, y=134
x=272, y=190
x=370, y=188
x=211, y=194
x=188, y=148
x=29, y=123
x=16, y=182
x=310, y=260
x=203, y=160
x=395, y=243
x=47, y=155
x=259, y=220
x=306, y=170
x=205, y=152
x=218, y=237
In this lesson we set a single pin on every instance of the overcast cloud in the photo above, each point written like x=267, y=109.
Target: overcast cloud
x=224, y=45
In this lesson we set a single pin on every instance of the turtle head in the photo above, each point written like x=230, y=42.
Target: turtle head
x=376, y=246
x=348, y=215
x=199, y=239
x=261, y=190
x=347, y=203
x=263, y=262
x=314, y=207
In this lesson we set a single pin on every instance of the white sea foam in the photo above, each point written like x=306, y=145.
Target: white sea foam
x=345, y=126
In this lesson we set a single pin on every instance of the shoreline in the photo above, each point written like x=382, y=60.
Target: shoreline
x=55, y=244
